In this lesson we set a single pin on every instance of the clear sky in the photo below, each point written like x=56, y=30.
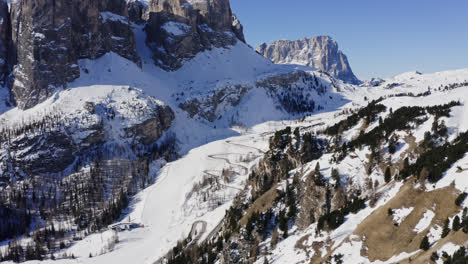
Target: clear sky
x=381, y=38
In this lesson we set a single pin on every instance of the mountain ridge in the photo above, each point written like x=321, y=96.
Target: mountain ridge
x=320, y=52
x=208, y=152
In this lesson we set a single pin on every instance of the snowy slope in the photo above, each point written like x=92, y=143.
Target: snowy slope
x=169, y=208
x=164, y=209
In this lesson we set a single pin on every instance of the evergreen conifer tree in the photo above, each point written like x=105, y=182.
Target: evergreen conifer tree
x=425, y=244
x=388, y=175
x=456, y=223
x=446, y=229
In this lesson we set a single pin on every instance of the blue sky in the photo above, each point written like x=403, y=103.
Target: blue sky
x=380, y=38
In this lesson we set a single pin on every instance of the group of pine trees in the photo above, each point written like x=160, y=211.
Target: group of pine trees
x=296, y=97
x=459, y=257
x=85, y=202
x=336, y=218
x=431, y=159
x=437, y=160
x=368, y=114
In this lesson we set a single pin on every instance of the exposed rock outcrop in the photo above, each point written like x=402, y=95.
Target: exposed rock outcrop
x=4, y=40
x=138, y=11
x=50, y=36
x=178, y=29
x=43, y=146
x=319, y=52
x=295, y=92
x=153, y=128
x=214, y=105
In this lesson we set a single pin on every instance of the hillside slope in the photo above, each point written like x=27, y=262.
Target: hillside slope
x=103, y=139
x=370, y=235
x=166, y=139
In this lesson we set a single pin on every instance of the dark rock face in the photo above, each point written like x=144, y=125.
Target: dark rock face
x=50, y=36
x=4, y=40
x=42, y=151
x=177, y=30
x=294, y=92
x=137, y=11
x=153, y=128
x=41, y=41
x=52, y=153
x=319, y=52
x=213, y=105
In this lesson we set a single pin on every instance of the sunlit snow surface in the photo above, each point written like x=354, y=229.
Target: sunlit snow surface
x=165, y=209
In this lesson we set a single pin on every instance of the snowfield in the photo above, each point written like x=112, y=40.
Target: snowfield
x=399, y=215
x=172, y=208
x=161, y=207
x=425, y=222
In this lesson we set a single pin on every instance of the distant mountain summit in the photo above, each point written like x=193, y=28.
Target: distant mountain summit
x=320, y=52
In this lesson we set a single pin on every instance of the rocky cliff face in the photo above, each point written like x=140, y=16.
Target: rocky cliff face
x=4, y=40
x=179, y=29
x=137, y=11
x=319, y=52
x=41, y=41
x=50, y=36
x=45, y=146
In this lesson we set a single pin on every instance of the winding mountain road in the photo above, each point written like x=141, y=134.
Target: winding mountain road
x=199, y=228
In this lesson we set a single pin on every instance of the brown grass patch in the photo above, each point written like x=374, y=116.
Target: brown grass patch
x=261, y=204
x=300, y=245
x=385, y=240
x=423, y=257
x=316, y=258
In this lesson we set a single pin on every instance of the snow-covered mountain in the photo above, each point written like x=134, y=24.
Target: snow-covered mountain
x=213, y=153
x=320, y=52
x=97, y=117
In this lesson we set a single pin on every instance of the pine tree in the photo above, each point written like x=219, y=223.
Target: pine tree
x=464, y=223
x=392, y=145
x=388, y=175
x=456, y=223
x=283, y=221
x=406, y=163
x=425, y=244
x=446, y=229
x=336, y=177
x=319, y=180
x=266, y=261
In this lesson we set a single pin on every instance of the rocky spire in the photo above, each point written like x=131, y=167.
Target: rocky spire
x=319, y=52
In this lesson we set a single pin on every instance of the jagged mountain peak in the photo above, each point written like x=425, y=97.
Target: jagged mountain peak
x=320, y=52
